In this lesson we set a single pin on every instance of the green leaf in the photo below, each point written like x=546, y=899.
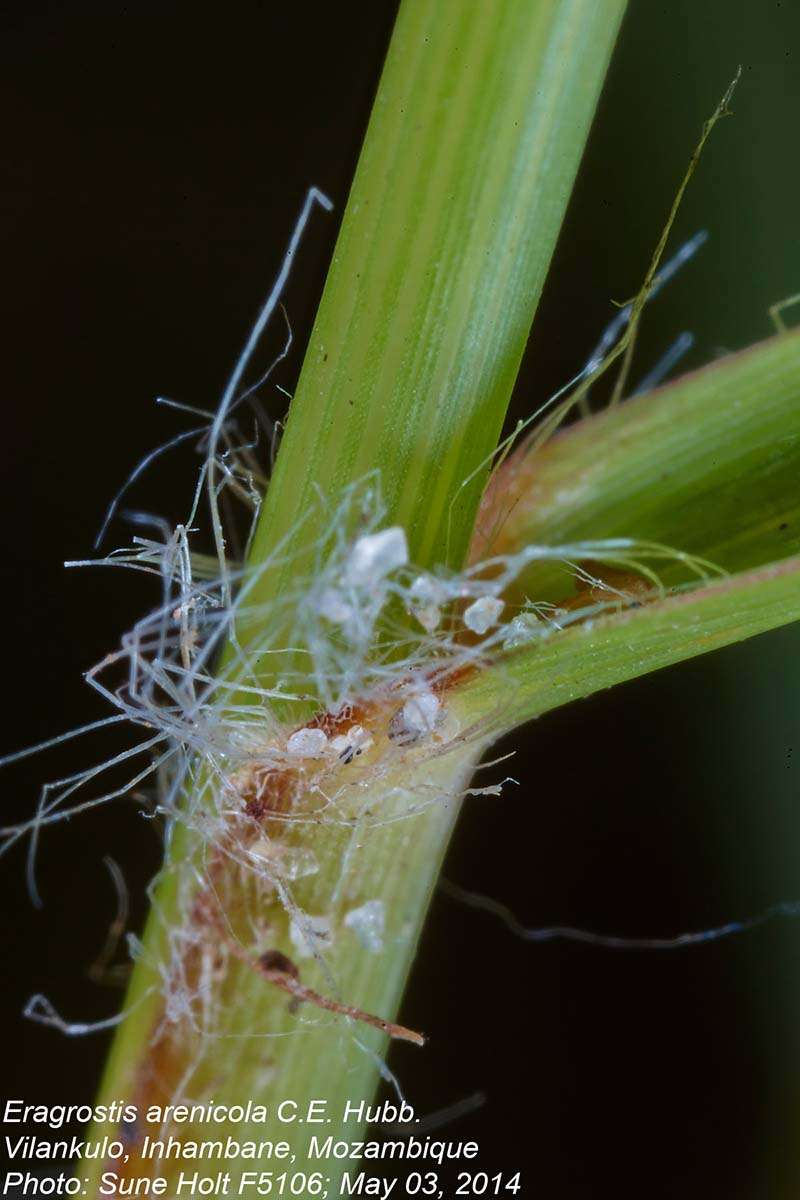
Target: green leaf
x=709, y=465
x=476, y=134
x=600, y=652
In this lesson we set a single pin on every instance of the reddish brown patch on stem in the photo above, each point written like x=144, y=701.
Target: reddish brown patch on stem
x=283, y=973
x=621, y=588
x=332, y=724
x=273, y=961
x=216, y=922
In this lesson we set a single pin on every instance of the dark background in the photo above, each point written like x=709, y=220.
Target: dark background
x=154, y=157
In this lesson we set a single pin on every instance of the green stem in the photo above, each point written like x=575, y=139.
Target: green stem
x=470, y=155
x=478, y=126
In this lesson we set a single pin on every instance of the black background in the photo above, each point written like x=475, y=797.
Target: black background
x=154, y=157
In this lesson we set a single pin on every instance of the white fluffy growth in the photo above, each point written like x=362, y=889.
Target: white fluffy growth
x=367, y=923
x=420, y=712
x=307, y=743
x=483, y=613
x=223, y=687
x=375, y=556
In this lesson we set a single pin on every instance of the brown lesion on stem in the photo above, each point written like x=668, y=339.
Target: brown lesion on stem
x=219, y=939
x=278, y=969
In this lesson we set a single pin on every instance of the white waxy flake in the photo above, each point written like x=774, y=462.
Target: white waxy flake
x=307, y=743
x=334, y=608
x=429, y=617
x=297, y=863
x=521, y=630
x=482, y=614
x=348, y=746
x=424, y=603
x=310, y=935
x=420, y=712
x=290, y=862
x=376, y=554
x=367, y=923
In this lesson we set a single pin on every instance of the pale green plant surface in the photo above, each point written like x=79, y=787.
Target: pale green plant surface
x=708, y=464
